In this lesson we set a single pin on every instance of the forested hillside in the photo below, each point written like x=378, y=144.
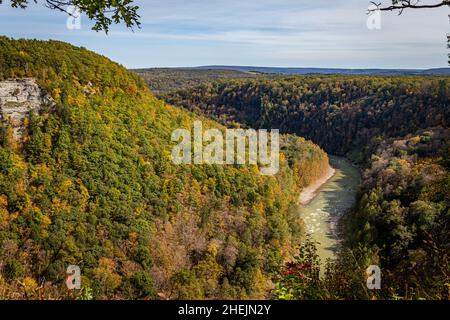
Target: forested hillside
x=91, y=183
x=341, y=114
x=397, y=129
x=404, y=213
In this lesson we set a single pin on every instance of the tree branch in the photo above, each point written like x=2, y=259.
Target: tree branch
x=408, y=4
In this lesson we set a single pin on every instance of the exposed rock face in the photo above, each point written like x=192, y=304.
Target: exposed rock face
x=18, y=99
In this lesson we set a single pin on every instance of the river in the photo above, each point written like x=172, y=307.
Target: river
x=332, y=199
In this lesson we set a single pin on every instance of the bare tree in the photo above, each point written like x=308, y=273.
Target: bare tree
x=400, y=5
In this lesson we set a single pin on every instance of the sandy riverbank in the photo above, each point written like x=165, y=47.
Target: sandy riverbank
x=309, y=192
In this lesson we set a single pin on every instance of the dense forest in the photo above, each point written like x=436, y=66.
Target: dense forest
x=397, y=130
x=91, y=183
x=341, y=114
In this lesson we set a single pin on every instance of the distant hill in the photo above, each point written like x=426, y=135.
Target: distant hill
x=304, y=71
x=162, y=80
x=165, y=80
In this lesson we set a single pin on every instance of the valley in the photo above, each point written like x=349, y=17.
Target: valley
x=196, y=152
x=396, y=129
x=90, y=182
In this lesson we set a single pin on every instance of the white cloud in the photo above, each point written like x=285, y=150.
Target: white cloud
x=265, y=32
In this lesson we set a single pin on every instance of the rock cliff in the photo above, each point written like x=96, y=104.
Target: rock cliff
x=18, y=99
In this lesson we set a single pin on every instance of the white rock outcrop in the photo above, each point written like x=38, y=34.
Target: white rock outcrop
x=18, y=99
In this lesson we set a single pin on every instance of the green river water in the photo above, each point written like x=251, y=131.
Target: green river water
x=334, y=197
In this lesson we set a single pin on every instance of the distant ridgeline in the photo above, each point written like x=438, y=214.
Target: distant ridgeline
x=397, y=129
x=330, y=71
x=163, y=80
x=89, y=181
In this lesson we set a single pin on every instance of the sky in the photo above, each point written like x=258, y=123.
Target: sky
x=276, y=33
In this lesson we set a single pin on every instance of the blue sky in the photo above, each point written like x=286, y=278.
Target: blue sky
x=283, y=33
